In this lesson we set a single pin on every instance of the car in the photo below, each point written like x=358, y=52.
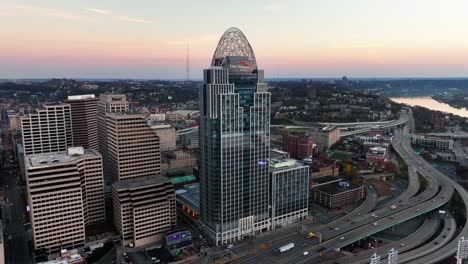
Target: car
x=230, y=246
x=305, y=253
x=156, y=261
x=154, y=258
x=402, y=244
x=158, y=246
x=342, y=238
x=336, y=228
x=375, y=223
x=304, y=244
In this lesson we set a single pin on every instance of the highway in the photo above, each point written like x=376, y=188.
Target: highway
x=425, y=231
x=443, y=238
x=448, y=249
x=437, y=193
x=359, y=128
x=365, y=207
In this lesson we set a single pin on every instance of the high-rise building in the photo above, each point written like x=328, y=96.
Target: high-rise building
x=289, y=191
x=132, y=147
x=48, y=129
x=84, y=118
x=65, y=194
x=234, y=143
x=144, y=209
x=108, y=103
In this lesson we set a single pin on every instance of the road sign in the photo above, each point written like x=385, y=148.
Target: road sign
x=375, y=259
x=462, y=251
x=392, y=256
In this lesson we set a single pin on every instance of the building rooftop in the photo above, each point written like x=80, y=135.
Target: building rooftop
x=283, y=164
x=190, y=196
x=48, y=159
x=81, y=97
x=140, y=182
x=324, y=180
x=124, y=115
x=183, y=179
x=336, y=187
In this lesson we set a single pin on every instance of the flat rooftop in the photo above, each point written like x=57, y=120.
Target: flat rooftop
x=334, y=187
x=324, y=180
x=48, y=159
x=190, y=196
x=140, y=182
x=80, y=97
x=284, y=164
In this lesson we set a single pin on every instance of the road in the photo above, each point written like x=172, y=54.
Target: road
x=427, y=229
x=437, y=193
x=17, y=250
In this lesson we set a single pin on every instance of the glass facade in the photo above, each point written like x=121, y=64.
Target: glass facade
x=234, y=143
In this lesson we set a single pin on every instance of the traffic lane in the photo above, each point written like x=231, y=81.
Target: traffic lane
x=15, y=221
x=368, y=204
x=299, y=240
x=367, y=230
x=426, y=230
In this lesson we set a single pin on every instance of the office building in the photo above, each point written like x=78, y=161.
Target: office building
x=336, y=194
x=14, y=121
x=48, y=129
x=84, y=120
x=325, y=137
x=299, y=146
x=178, y=161
x=377, y=156
x=289, y=191
x=189, y=141
x=234, y=143
x=65, y=194
x=144, y=209
x=108, y=103
x=438, y=120
x=166, y=134
x=432, y=142
x=132, y=147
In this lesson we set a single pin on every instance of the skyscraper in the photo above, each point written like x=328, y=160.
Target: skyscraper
x=65, y=194
x=108, y=103
x=144, y=209
x=84, y=118
x=48, y=129
x=132, y=147
x=234, y=143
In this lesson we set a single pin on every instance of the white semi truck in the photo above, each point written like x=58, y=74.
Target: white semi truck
x=283, y=248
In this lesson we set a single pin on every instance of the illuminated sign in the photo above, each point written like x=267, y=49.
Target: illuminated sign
x=242, y=66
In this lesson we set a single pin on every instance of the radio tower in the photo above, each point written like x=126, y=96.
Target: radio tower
x=188, y=68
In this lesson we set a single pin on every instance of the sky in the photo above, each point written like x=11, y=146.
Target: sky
x=148, y=39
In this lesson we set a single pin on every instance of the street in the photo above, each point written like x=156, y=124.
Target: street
x=17, y=250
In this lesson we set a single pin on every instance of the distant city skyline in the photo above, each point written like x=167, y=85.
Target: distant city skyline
x=293, y=39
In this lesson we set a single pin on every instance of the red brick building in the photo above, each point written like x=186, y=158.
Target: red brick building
x=299, y=146
x=438, y=120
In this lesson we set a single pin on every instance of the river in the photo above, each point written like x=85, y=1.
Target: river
x=432, y=104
